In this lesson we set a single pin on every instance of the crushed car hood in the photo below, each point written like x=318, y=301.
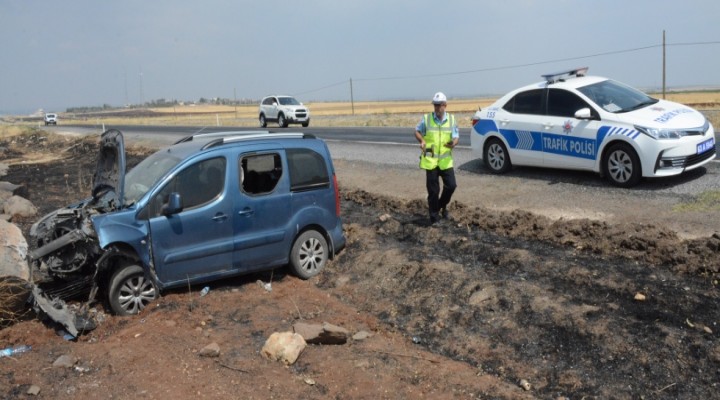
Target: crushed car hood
x=109, y=178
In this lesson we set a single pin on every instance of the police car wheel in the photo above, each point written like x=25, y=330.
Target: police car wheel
x=496, y=157
x=622, y=165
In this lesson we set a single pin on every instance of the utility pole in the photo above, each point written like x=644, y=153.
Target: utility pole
x=127, y=102
x=352, y=102
x=663, y=76
x=142, y=98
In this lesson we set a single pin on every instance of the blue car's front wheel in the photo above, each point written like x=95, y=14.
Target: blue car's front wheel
x=130, y=290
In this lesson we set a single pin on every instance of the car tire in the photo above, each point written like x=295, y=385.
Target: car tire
x=496, y=157
x=621, y=165
x=282, y=121
x=306, y=123
x=263, y=121
x=309, y=254
x=130, y=290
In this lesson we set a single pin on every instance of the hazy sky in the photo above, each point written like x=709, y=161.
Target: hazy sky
x=60, y=54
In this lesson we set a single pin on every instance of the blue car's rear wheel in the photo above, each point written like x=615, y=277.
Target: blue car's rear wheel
x=309, y=254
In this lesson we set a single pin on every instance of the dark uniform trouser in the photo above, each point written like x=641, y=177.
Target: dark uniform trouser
x=435, y=200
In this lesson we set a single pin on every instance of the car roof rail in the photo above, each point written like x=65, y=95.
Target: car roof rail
x=240, y=138
x=554, y=77
x=210, y=135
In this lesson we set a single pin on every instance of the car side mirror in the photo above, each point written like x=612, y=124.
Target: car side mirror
x=583, y=113
x=173, y=206
x=274, y=104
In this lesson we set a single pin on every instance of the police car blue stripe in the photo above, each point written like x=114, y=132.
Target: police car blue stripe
x=614, y=130
x=525, y=140
x=484, y=126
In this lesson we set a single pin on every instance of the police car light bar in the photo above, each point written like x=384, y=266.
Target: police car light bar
x=552, y=78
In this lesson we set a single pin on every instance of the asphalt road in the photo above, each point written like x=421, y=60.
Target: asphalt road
x=351, y=134
x=397, y=146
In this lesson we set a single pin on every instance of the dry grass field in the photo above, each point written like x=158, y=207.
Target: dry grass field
x=381, y=113
x=367, y=113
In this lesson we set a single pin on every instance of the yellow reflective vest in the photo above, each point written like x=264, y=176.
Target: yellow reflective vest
x=436, y=136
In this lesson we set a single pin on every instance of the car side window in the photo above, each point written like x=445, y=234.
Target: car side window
x=562, y=103
x=260, y=173
x=308, y=170
x=528, y=102
x=197, y=184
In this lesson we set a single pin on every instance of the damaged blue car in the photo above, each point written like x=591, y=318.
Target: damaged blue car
x=208, y=207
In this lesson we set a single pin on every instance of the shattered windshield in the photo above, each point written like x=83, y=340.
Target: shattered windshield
x=615, y=97
x=143, y=177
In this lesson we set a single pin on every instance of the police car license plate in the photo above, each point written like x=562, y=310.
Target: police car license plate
x=705, y=146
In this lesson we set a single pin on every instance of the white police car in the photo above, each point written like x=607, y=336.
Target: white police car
x=573, y=121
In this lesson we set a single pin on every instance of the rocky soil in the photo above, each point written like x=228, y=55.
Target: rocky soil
x=489, y=305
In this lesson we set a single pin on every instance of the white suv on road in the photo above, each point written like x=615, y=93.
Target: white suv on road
x=50, y=119
x=283, y=109
x=574, y=121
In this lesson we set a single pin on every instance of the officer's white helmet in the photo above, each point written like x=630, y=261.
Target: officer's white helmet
x=439, y=98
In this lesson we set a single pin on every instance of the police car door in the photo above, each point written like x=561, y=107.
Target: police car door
x=517, y=122
x=568, y=141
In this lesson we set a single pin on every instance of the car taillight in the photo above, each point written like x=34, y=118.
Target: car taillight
x=337, y=196
x=475, y=121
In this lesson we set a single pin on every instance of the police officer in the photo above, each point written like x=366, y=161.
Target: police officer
x=437, y=134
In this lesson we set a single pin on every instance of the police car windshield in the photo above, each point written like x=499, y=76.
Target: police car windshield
x=615, y=97
x=143, y=177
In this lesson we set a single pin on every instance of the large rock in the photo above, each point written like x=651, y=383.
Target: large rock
x=321, y=334
x=3, y=169
x=284, y=346
x=15, y=287
x=4, y=195
x=18, y=206
x=13, y=251
x=13, y=189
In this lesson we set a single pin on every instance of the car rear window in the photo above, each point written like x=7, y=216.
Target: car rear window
x=308, y=170
x=529, y=102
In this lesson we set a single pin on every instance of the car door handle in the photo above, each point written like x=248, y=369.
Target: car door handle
x=504, y=121
x=219, y=217
x=548, y=125
x=246, y=211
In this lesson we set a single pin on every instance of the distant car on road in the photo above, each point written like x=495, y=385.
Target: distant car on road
x=284, y=110
x=50, y=119
x=573, y=121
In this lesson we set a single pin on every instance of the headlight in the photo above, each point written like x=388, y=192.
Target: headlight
x=656, y=133
x=661, y=133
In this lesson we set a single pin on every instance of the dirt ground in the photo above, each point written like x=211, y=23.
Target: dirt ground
x=471, y=309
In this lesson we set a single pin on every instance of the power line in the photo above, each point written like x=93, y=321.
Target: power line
x=322, y=88
x=510, y=66
x=507, y=67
